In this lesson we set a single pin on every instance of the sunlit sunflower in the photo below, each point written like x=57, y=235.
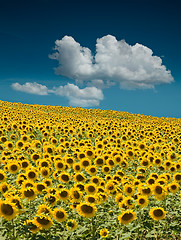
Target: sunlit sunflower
x=2, y=176
x=173, y=187
x=91, y=188
x=157, y=213
x=8, y=210
x=31, y=174
x=59, y=214
x=71, y=224
x=13, y=167
x=75, y=195
x=142, y=201
x=63, y=194
x=64, y=177
x=44, y=209
x=127, y=217
x=159, y=191
x=43, y=222
x=129, y=189
x=79, y=177
x=77, y=167
x=92, y=170
x=50, y=199
x=29, y=193
x=86, y=209
x=104, y=233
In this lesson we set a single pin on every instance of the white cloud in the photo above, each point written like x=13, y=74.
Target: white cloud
x=33, y=88
x=89, y=96
x=115, y=62
x=86, y=97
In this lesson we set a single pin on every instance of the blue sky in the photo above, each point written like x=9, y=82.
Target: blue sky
x=120, y=55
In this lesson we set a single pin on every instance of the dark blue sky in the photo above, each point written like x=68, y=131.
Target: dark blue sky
x=29, y=29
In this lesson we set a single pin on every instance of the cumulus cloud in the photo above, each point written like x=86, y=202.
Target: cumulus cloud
x=89, y=96
x=33, y=88
x=85, y=97
x=115, y=62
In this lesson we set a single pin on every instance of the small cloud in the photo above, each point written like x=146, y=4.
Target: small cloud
x=85, y=97
x=33, y=88
x=115, y=62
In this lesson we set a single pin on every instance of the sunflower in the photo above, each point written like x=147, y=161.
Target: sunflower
x=59, y=165
x=31, y=226
x=106, y=169
x=19, y=144
x=25, y=164
x=110, y=186
x=59, y=214
x=99, y=161
x=159, y=191
x=104, y=232
x=13, y=167
x=128, y=190
x=127, y=203
x=15, y=199
x=75, y=195
x=28, y=183
x=4, y=187
x=127, y=217
x=40, y=187
x=157, y=213
x=119, y=198
x=32, y=174
x=29, y=193
x=43, y=222
x=77, y=167
x=86, y=162
x=80, y=186
x=9, y=145
x=145, y=190
x=2, y=176
x=92, y=170
x=79, y=177
x=142, y=201
x=86, y=209
x=44, y=209
x=45, y=172
x=63, y=194
x=71, y=224
x=89, y=153
x=91, y=188
x=91, y=199
x=35, y=157
x=173, y=187
x=50, y=199
x=64, y=177
x=48, y=182
x=8, y=210
x=177, y=177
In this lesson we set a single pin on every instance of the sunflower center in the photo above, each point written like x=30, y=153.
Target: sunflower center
x=14, y=167
x=31, y=175
x=6, y=209
x=60, y=214
x=43, y=221
x=29, y=193
x=127, y=216
x=142, y=201
x=1, y=176
x=86, y=209
x=63, y=194
x=91, y=188
x=158, y=190
x=158, y=213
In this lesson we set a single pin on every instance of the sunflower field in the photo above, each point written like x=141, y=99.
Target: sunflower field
x=75, y=173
